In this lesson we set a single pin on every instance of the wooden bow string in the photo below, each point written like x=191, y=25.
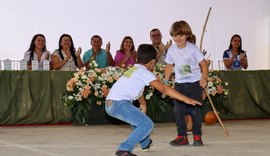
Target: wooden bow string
x=206, y=90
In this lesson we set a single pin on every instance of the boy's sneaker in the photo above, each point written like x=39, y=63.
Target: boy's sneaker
x=124, y=153
x=197, y=140
x=180, y=140
x=147, y=148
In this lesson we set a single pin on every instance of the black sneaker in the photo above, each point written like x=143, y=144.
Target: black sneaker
x=179, y=141
x=124, y=153
x=197, y=140
x=147, y=148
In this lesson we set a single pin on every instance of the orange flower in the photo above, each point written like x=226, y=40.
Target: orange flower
x=115, y=77
x=86, y=92
x=81, y=72
x=98, y=70
x=219, y=89
x=70, y=85
x=110, y=79
x=105, y=90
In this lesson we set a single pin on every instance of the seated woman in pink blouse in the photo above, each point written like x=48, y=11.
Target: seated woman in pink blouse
x=126, y=56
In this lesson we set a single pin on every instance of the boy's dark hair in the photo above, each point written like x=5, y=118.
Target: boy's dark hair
x=146, y=53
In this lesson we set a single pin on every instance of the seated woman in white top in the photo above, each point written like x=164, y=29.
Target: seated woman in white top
x=37, y=51
x=66, y=58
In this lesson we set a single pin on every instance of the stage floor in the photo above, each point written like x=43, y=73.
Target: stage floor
x=246, y=138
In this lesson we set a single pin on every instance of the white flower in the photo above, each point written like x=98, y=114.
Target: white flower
x=70, y=97
x=84, y=77
x=79, y=83
x=163, y=96
x=100, y=79
x=209, y=91
x=147, y=97
x=78, y=97
x=96, y=86
x=210, y=84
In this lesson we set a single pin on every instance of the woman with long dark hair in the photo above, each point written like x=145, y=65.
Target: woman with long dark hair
x=66, y=58
x=235, y=58
x=37, y=51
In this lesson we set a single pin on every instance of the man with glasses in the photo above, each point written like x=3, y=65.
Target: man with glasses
x=156, y=38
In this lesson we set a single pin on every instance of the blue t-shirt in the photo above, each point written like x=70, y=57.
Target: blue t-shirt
x=236, y=62
x=101, y=58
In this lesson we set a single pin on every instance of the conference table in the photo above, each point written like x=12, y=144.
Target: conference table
x=34, y=97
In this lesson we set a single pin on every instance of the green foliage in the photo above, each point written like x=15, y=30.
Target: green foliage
x=157, y=106
x=80, y=112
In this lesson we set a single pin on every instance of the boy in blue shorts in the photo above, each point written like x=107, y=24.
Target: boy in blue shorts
x=128, y=88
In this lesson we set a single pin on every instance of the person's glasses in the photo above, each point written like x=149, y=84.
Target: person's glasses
x=155, y=35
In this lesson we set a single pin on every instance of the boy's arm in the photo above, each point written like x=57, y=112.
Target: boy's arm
x=168, y=71
x=204, y=67
x=173, y=93
x=142, y=102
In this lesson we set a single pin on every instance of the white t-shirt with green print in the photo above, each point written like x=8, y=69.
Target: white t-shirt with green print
x=186, y=62
x=131, y=84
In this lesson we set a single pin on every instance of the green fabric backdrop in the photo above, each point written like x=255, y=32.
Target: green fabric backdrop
x=249, y=94
x=34, y=97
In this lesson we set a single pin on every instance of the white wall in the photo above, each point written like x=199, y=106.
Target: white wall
x=114, y=19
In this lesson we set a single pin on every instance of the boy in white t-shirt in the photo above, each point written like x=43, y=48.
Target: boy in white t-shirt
x=191, y=73
x=128, y=88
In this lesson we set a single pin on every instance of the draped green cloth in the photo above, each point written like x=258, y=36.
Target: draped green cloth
x=34, y=97
x=249, y=93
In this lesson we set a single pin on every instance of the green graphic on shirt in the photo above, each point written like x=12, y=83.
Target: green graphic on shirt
x=184, y=69
x=129, y=72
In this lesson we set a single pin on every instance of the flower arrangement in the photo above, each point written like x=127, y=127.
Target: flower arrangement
x=158, y=71
x=158, y=103
x=217, y=90
x=88, y=87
